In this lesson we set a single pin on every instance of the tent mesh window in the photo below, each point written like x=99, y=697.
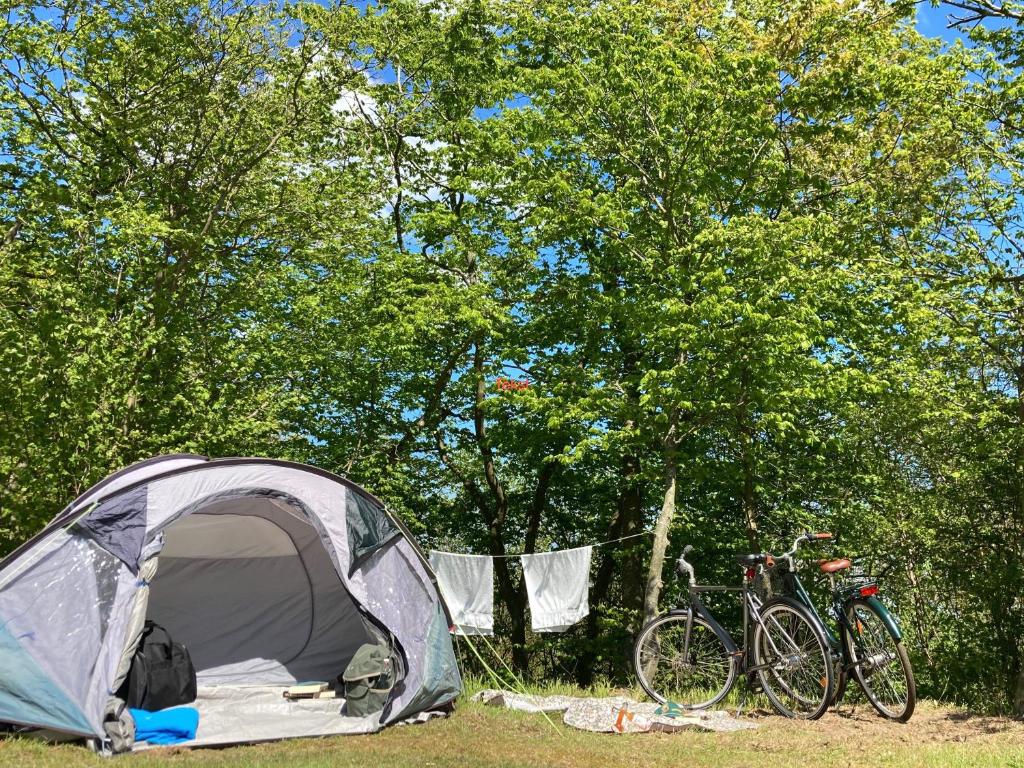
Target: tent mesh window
x=369, y=528
x=59, y=610
x=105, y=568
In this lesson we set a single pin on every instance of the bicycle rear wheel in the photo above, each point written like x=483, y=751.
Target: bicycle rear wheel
x=880, y=663
x=793, y=661
x=698, y=678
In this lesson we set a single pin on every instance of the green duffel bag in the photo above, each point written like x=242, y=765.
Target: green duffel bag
x=368, y=679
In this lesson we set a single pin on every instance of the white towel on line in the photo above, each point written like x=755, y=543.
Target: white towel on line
x=557, y=584
x=467, y=585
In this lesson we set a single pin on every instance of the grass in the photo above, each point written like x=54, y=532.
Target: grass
x=478, y=735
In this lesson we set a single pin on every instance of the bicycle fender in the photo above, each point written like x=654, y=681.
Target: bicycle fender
x=887, y=618
x=703, y=613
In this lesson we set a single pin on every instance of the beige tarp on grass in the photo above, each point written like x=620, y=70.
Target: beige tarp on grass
x=613, y=714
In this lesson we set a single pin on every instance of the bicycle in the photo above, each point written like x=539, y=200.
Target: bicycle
x=687, y=657
x=870, y=643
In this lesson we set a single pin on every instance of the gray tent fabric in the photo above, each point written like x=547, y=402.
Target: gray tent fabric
x=298, y=620
x=130, y=476
x=28, y=696
x=119, y=526
x=440, y=673
x=368, y=529
x=249, y=563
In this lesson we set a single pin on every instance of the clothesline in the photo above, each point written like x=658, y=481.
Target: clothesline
x=557, y=585
x=598, y=544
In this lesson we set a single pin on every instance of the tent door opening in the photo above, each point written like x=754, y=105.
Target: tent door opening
x=246, y=584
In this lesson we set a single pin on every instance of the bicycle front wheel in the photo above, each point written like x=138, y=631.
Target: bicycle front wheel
x=880, y=662
x=793, y=661
x=695, y=674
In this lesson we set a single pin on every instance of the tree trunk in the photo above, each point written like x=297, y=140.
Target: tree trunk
x=1018, y=696
x=518, y=601
x=511, y=589
x=514, y=598
x=511, y=593
x=598, y=596
x=745, y=425
x=631, y=522
x=661, y=530
x=627, y=520
x=1018, y=692
x=540, y=495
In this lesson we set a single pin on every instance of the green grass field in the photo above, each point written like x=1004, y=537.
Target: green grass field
x=477, y=735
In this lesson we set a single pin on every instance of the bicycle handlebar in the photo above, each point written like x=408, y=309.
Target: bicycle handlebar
x=684, y=568
x=806, y=538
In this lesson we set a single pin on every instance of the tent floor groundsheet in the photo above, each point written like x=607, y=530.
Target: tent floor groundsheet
x=244, y=714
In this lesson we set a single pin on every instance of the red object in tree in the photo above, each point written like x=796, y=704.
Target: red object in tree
x=505, y=384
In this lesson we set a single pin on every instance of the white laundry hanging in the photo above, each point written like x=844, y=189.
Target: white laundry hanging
x=467, y=585
x=557, y=584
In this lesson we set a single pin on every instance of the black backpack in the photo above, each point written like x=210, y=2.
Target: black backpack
x=161, y=674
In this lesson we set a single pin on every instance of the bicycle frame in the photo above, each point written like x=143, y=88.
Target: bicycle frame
x=839, y=599
x=799, y=593
x=752, y=605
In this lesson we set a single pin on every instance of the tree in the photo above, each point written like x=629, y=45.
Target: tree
x=162, y=207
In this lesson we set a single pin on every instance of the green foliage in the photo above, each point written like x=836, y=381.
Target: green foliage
x=768, y=250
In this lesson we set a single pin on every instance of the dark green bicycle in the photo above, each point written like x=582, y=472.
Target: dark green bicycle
x=869, y=646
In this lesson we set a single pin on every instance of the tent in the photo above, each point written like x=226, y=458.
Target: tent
x=269, y=572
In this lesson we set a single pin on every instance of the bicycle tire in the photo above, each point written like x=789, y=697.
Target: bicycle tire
x=804, y=644
x=707, y=635
x=881, y=632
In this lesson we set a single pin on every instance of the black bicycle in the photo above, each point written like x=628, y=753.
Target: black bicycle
x=686, y=657
x=869, y=646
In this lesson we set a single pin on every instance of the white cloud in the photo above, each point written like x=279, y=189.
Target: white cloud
x=352, y=103
x=427, y=146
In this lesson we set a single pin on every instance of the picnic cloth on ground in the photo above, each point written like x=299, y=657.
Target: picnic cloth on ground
x=614, y=714
x=467, y=585
x=557, y=584
x=671, y=709
x=168, y=726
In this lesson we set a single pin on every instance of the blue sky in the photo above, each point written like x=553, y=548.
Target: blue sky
x=934, y=21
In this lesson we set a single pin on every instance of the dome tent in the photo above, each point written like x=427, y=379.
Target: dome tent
x=270, y=572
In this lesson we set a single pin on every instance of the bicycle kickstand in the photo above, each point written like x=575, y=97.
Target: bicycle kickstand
x=743, y=701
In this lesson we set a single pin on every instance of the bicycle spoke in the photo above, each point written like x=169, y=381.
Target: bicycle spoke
x=693, y=674
x=879, y=669
x=797, y=675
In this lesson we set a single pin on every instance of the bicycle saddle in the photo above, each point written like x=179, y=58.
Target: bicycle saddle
x=749, y=561
x=831, y=566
